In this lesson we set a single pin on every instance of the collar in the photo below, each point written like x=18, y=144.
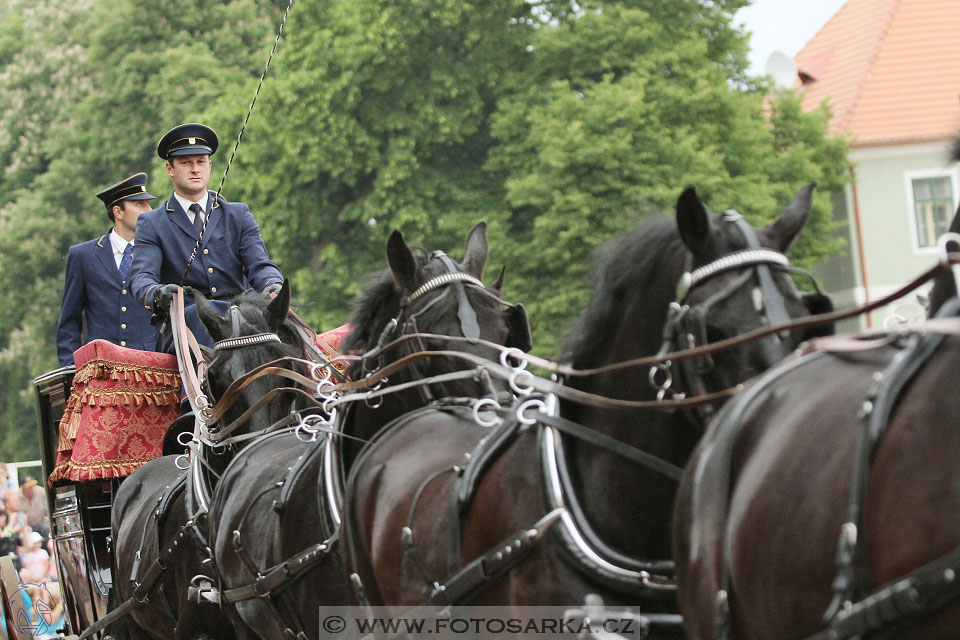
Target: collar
x=117, y=243
x=185, y=203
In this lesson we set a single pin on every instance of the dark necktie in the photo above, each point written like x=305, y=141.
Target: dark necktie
x=125, y=262
x=197, y=217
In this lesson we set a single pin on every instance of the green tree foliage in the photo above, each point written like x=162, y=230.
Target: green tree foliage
x=559, y=123
x=624, y=111
x=376, y=118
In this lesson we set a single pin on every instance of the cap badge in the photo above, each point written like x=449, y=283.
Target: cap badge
x=192, y=140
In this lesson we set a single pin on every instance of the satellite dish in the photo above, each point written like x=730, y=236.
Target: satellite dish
x=782, y=69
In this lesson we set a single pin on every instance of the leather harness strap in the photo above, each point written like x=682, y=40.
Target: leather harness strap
x=890, y=604
x=280, y=576
x=617, y=447
x=465, y=311
x=699, y=352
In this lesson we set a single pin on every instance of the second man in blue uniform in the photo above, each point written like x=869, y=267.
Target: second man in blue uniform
x=97, y=291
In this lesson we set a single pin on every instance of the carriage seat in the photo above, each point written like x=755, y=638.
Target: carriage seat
x=120, y=406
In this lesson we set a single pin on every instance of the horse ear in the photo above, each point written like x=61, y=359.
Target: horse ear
x=784, y=229
x=216, y=326
x=694, y=224
x=277, y=309
x=475, y=252
x=401, y=261
x=498, y=285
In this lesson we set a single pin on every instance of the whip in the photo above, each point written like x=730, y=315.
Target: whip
x=243, y=127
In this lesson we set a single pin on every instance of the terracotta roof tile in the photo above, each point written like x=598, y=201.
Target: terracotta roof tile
x=890, y=70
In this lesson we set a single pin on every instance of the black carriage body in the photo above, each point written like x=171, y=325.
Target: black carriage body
x=79, y=514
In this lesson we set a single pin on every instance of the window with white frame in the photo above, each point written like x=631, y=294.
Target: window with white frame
x=932, y=207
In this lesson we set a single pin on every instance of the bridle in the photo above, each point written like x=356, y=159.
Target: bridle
x=218, y=434
x=405, y=323
x=216, y=438
x=230, y=344
x=686, y=324
x=242, y=341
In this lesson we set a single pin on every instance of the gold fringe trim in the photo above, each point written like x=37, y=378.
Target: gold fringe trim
x=129, y=396
x=126, y=373
x=69, y=471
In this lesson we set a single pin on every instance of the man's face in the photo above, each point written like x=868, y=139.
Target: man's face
x=190, y=175
x=126, y=213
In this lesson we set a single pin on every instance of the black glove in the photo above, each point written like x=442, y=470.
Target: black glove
x=162, y=297
x=273, y=288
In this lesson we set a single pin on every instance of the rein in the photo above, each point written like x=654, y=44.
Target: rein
x=553, y=366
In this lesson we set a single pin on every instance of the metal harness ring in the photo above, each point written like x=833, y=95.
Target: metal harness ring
x=486, y=402
x=515, y=384
x=528, y=404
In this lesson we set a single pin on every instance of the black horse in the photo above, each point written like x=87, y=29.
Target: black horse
x=824, y=501
x=159, y=505
x=517, y=514
x=275, y=515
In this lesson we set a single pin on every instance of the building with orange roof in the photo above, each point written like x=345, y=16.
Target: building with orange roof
x=890, y=72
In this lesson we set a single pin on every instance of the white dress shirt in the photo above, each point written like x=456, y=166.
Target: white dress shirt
x=185, y=204
x=118, y=245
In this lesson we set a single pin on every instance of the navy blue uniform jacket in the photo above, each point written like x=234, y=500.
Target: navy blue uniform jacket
x=93, y=290
x=232, y=257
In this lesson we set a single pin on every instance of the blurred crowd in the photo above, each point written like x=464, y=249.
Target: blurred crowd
x=25, y=538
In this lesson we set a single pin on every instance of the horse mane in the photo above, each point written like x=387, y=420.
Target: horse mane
x=627, y=267
x=375, y=306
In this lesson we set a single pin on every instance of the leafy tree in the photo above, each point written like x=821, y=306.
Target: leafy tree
x=623, y=112
x=376, y=118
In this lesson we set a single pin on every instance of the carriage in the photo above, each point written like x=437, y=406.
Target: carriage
x=98, y=421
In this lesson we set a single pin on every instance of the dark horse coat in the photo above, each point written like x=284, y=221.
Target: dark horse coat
x=763, y=502
x=409, y=476
x=274, y=502
x=139, y=533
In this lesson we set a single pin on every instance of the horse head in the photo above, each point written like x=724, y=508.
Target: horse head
x=253, y=332
x=428, y=293
x=736, y=279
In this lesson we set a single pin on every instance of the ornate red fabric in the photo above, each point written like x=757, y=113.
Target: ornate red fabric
x=328, y=343
x=334, y=337
x=120, y=406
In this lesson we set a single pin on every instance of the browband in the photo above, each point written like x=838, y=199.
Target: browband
x=745, y=258
x=443, y=279
x=245, y=341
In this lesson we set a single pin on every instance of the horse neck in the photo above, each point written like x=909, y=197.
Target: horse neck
x=641, y=526
x=266, y=417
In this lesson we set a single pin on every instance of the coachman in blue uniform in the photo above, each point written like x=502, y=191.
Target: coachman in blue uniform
x=97, y=288
x=230, y=259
